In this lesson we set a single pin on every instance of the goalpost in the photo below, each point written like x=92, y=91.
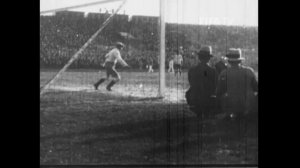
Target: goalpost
x=161, y=89
x=162, y=81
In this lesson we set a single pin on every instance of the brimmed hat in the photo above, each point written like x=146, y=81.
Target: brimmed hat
x=119, y=44
x=234, y=54
x=205, y=52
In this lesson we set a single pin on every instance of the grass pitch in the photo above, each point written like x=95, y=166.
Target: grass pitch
x=79, y=125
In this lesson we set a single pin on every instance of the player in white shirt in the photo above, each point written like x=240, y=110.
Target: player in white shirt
x=178, y=60
x=111, y=59
x=171, y=67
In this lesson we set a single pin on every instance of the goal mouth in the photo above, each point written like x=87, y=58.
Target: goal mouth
x=160, y=22
x=82, y=48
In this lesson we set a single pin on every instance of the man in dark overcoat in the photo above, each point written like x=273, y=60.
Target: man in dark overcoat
x=202, y=79
x=237, y=87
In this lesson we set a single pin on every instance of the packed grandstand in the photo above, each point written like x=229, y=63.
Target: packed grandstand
x=62, y=34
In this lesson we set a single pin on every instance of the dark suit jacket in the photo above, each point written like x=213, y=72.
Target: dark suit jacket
x=236, y=88
x=202, y=79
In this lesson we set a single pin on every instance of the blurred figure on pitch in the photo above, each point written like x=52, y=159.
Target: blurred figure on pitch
x=221, y=65
x=171, y=66
x=149, y=65
x=202, y=79
x=140, y=63
x=111, y=58
x=178, y=60
x=237, y=88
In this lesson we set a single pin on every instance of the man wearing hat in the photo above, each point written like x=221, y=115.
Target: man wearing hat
x=202, y=79
x=111, y=58
x=237, y=86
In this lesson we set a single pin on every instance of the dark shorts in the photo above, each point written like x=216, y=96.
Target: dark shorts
x=177, y=66
x=110, y=70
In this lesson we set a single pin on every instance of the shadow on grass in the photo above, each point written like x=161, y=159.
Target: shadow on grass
x=62, y=95
x=162, y=131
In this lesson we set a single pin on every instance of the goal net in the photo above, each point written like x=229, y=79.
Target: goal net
x=76, y=40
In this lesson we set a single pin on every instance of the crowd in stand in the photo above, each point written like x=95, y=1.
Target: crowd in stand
x=61, y=37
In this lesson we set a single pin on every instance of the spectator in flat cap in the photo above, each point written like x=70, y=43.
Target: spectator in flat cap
x=202, y=79
x=237, y=87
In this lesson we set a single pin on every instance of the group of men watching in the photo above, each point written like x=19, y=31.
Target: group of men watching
x=228, y=88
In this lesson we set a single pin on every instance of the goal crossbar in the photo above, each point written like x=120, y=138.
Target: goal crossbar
x=79, y=6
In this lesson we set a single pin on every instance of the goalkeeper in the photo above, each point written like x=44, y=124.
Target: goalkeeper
x=111, y=59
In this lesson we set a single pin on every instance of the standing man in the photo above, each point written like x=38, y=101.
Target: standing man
x=202, y=80
x=237, y=87
x=111, y=59
x=149, y=64
x=171, y=66
x=140, y=62
x=178, y=60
